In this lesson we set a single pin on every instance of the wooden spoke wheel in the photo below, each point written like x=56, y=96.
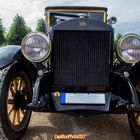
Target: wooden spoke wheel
x=137, y=117
x=17, y=99
x=134, y=117
x=15, y=94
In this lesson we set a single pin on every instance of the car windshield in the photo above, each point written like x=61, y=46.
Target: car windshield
x=57, y=17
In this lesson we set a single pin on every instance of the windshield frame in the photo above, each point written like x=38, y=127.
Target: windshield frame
x=73, y=10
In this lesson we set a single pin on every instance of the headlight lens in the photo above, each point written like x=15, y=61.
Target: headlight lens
x=36, y=47
x=129, y=48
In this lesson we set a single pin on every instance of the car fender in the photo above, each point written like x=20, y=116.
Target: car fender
x=8, y=55
x=134, y=71
x=12, y=54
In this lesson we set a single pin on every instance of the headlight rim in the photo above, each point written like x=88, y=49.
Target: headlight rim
x=48, y=42
x=118, y=46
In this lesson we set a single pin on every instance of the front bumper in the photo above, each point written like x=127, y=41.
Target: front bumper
x=61, y=106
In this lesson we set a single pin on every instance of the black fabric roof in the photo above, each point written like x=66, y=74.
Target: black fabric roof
x=76, y=7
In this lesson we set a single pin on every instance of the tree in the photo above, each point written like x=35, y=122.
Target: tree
x=41, y=26
x=2, y=38
x=17, y=31
x=117, y=38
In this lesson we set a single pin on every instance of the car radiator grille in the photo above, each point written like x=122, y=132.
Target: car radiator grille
x=81, y=58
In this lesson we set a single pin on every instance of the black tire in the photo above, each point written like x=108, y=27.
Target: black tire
x=133, y=116
x=7, y=129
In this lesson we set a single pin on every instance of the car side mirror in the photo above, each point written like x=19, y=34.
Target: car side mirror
x=112, y=20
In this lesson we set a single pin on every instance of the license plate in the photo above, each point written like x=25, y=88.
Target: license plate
x=82, y=98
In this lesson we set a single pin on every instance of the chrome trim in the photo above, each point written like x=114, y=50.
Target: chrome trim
x=40, y=34
x=119, y=43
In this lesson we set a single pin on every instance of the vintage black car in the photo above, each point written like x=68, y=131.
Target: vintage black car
x=70, y=69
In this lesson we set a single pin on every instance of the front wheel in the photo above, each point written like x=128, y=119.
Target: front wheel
x=15, y=94
x=134, y=117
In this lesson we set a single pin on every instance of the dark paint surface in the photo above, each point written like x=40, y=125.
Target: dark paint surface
x=8, y=54
x=76, y=7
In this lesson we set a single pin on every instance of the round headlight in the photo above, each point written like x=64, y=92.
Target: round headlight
x=36, y=46
x=129, y=48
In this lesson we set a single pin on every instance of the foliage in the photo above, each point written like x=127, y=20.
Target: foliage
x=17, y=31
x=117, y=38
x=2, y=38
x=41, y=26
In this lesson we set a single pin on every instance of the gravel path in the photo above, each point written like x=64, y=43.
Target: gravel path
x=44, y=126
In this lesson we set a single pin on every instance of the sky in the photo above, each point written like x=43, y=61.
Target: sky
x=126, y=11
